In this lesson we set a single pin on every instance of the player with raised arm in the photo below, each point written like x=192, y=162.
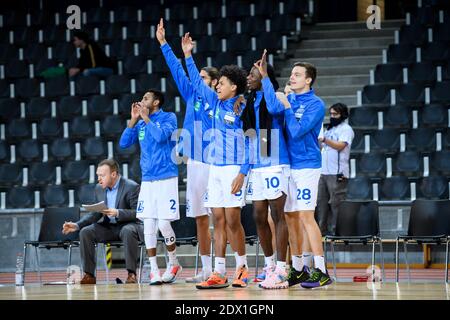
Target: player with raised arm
x=196, y=122
x=229, y=167
x=158, y=203
x=304, y=113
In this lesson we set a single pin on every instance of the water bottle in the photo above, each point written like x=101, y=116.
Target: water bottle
x=19, y=269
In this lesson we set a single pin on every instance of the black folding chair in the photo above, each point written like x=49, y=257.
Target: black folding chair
x=429, y=223
x=51, y=236
x=357, y=223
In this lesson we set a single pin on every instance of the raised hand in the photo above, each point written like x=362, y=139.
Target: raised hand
x=261, y=65
x=161, y=32
x=135, y=111
x=283, y=99
x=187, y=45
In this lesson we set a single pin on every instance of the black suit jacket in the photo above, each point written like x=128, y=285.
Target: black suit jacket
x=126, y=203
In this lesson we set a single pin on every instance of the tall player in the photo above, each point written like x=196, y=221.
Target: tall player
x=228, y=167
x=268, y=181
x=196, y=122
x=304, y=114
x=158, y=198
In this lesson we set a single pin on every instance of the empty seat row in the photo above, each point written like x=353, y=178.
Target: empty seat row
x=398, y=188
x=434, y=115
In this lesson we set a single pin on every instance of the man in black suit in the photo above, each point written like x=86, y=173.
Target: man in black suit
x=118, y=222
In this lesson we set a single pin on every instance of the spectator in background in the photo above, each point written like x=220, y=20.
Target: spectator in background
x=93, y=60
x=336, y=144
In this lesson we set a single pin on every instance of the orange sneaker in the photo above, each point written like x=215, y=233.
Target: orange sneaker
x=215, y=281
x=241, y=277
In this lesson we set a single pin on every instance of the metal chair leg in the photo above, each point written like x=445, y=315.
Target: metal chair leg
x=396, y=260
x=106, y=262
x=25, y=246
x=383, y=274
x=69, y=263
x=334, y=261
x=196, y=258
x=373, y=261
x=406, y=260
x=36, y=250
x=141, y=264
x=446, y=261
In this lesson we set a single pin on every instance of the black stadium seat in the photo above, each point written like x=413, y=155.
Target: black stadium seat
x=4, y=152
x=54, y=196
x=117, y=85
x=441, y=92
x=81, y=127
x=386, y=141
x=376, y=94
x=42, y=173
x=69, y=107
x=20, y=197
x=27, y=88
x=10, y=175
x=371, y=165
x=75, y=172
x=408, y=163
x=424, y=72
x=56, y=87
x=440, y=163
x=389, y=73
x=401, y=53
x=421, y=139
x=62, y=149
x=434, y=116
x=100, y=106
x=87, y=85
x=38, y=108
x=18, y=129
x=411, y=94
x=49, y=129
x=16, y=69
x=9, y=109
x=433, y=187
x=85, y=194
x=94, y=148
x=113, y=126
x=395, y=188
x=363, y=117
x=359, y=188
x=30, y=150
x=398, y=117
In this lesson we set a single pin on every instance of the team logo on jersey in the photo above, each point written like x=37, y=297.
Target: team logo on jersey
x=141, y=134
x=217, y=113
x=229, y=118
x=206, y=106
x=250, y=188
x=157, y=124
x=197, y=105
x=299, y=112
x=140, y=207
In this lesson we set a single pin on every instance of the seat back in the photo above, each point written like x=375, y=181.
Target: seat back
x=358, y=218
x=429, y=218
x=52, y=222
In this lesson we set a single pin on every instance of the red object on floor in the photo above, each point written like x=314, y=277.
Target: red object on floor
x=360, y=278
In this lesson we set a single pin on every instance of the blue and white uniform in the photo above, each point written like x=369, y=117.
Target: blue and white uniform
x=196, y=122
x=158, y=197
x=268, y=178
x=227, y=145
x=303, y=125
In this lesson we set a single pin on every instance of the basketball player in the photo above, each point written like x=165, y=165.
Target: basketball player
x=196, y=122
x=158, y=198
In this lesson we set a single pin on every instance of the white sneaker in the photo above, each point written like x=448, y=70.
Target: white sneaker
x=275, y=280
x=155, y=278
x=200, y=277
x=171, y=273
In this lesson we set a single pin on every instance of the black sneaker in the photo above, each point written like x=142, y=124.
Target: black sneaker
x=317, y=279
x=296, y=277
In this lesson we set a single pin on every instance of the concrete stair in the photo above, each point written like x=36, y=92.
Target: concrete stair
x=344, y=53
